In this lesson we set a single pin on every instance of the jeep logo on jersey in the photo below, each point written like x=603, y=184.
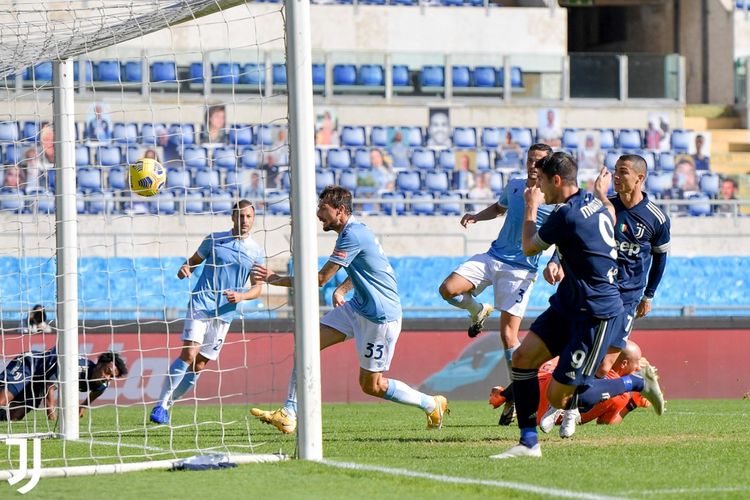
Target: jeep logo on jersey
x=628, y=248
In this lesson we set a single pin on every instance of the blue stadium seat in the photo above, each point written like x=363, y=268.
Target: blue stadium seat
x=108, y=156
x=100, y=202
x=194, y=202
x=423, y=159
x=461, y=76
x=700, y=205
x=125, y=133
x=353, y=136
x=522, y=136
x=117, y=178
x=630, y=138
x=449, y=204
x=659, y=183
x=432, y=76
x=108, y=70
x=30, y=131
x=323, y=178
x=164, y=204
x=611, y=159
x=388, y=208
x=465, y=137
x=496, y=182
x=82, y=156
x=681, y=140
x=485, y=77
x=371, y=75
x=278, y=74
x=133, y=71
x=11, y=200
x=348, y=179
x=447, y=159
x=89, y=179
x=250, y=158
x=9, y=132
x=401, y=77
x=318, y=158
x=437, y=182
x=379, y=136
x=606, y=139
x=414, y=137
x=319, y=74
x=483, y=160
x=88, y=74
x=178, y=179
x=181, y=134
x=163, y=72
x=221, y=202
x=196, y=72
x=227, y=73
x=225, y=158
x=241, y=135
x=44, y=200
x=492, y=136
x=195, y=157
x=516, y=77
x=650, y=159
x=666, y=160
x=264, y=134
x=150, y=133
x=422, y=203
x=207, y=179
x=41, y=73
x=253, y=74
x=570, y=138
x=408, y=181
x=362, y=158
x=710, y=184
x=131, y=154
x=277, y=202
x=339, y=158
x=344, y=74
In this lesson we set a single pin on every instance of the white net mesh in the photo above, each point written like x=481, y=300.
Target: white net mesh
x=200, y=85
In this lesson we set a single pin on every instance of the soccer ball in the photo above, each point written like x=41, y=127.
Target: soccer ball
x=147, y=177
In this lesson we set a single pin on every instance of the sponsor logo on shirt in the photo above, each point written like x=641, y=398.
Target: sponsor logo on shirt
x=341, y=254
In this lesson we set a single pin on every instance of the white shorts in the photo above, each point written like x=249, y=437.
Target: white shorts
x=209, y=332
x=512, y=286
x=376, y=342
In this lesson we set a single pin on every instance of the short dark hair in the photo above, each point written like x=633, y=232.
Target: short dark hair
x=638, y=161
x=337, y=196
x=243, y=203
x=729, y=179
x=110, y=356
x=561, y=164
x=540, y=147
x=37, y=315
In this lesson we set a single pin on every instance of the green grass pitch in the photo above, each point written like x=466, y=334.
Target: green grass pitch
x=698, y=449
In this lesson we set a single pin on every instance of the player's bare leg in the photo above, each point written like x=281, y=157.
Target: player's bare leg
x=457, y=291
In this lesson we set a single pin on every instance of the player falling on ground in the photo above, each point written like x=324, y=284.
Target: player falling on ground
x=229, y=257
x=372, y=317
x=504, y=266
x=30, y=379
x=642, y=241
x=584, y=311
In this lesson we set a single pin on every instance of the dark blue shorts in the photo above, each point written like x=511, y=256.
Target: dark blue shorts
x=17, y=375
x=581, y=344
x=620, y=338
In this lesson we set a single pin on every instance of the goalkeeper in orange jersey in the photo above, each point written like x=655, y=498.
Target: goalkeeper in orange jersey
x=608, y=412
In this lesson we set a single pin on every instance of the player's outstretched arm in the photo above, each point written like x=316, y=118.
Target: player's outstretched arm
x=341, y=291
x=186, y=270
x=50, y=402
x=491, y=212
x=601, y=188
x=261, y=274
x=327, y=272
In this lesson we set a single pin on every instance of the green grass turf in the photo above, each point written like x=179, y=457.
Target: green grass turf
x=698, y=449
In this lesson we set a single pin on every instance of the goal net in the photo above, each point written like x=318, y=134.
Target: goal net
x=201, y=86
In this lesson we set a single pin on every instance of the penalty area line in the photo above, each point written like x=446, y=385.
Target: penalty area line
x=687, y=491
x=523, y=487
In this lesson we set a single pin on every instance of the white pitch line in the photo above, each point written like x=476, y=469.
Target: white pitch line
x=524, y=487
x=682, y=491
x=707, y=414
x=123, y=445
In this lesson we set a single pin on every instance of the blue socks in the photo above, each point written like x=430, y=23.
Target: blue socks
x=602, y=389
x=176, y=373
x=188, y=382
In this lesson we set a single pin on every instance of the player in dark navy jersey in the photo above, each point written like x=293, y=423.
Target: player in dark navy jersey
x=583, y=313
x=30, y=378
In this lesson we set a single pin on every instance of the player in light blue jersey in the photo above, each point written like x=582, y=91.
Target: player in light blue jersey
x=372, y=317
x=229, y=257
x=504, y=266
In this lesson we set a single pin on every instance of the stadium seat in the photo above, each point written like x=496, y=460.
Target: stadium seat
x=220, y=203
x=363, y=158
x=226, y=73
x=570, y=138
x=101, y=202
x=485, y=77
x=108, y=71
x=108, y=156
x=264, y=135
x=89, y=179
x=516, y=77
x=44, y=201
x=178, y=179
x=181, y=134
x=163, y=72
x=82, y=156
x=319, y=74
x=195, y=157
x=250, y=158
x=278, y=74
x=666, y=161
x=344, y=74
x=371, y=75
x=449, y=204
x=224, y=158
x=401, y=76
x=11, y=200
x=461, y=76
x=117, y=178
x=492, y=137
x=253, y=74
x=150, y=133
x=194, y=202
x=318, y=158
x=408, y=181
x=379, y=136
x=133, y=71
x=398, y=206
x=125, y=133
x=30, y=131
x=610, y=160
x=606, y=139
x=483, y=160
x=447, y=159
x=339, y=158
x=630, y=138
x=465, y=137
x=496, y=182
x=324, y=178
x=432, y=76
x=423, y=159
x=700, y=205
x=132, y=154
x=88, y=73
x=353, y=136
x=522, y=137
x=207, y=179
x=277, y=202
x=422, y=203
x=9, y=132
x=41, y=73
x=650, y=159
x=659, y=183
x=681, y=140
x=348, y=179
x=437, y=182
x=710, y=184
x=241, y=135
x=414, y=137
x=164, y=204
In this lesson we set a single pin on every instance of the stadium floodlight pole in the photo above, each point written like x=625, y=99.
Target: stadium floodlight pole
x=304, y=229
x=66, y=232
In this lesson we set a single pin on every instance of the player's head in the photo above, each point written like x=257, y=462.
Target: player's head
x=243, y=216
x=629, y=359
x=334, y=207
x=630, y=173
x=558, y=175
x=37, y=315
x=536, y=152
x=109, y=365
